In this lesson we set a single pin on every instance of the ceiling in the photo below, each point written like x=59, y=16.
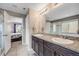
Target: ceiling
x=65, y=10
x=22, y=8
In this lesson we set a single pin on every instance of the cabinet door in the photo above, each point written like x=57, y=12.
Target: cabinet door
x=40, y=47
x=40, y=50
x=50, y=46
x=32, y=43
x=47, y=51
x=36, y=46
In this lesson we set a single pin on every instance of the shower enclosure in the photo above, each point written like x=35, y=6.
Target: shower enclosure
x=1, y=34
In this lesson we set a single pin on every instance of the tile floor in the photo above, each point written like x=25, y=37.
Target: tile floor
x=18, y=49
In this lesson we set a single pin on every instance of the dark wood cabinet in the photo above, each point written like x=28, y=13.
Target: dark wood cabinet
x=33, y=44
x=40, y=47
x=45, y=48
x=56, y=53
x=47, y=51
x=36, y=46
x=67, y=52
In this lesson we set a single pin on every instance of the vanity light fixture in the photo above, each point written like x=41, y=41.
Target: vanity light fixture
x=45, y=10
x=49, y=7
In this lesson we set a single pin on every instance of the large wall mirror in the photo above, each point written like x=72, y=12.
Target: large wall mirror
x=69, y=26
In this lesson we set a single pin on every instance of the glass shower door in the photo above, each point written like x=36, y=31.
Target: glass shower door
x=1, y=34
x=1, y=38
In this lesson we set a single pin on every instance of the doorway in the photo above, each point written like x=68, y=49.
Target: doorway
x=16, y=29
x=16, y=32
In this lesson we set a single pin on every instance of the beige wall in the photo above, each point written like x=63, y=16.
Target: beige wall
x=33, y=19
x=37, y=21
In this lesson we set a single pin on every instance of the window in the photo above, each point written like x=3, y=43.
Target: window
x=18, y=28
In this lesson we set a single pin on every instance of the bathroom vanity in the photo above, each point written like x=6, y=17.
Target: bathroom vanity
x=44, y=46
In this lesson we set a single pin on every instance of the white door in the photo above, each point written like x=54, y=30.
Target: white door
x=7, y=33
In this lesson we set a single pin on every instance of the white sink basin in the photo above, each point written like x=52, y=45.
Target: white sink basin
x=62, y=41
x=38, y=35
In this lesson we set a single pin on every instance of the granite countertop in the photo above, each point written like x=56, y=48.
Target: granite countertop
x=74, y=46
